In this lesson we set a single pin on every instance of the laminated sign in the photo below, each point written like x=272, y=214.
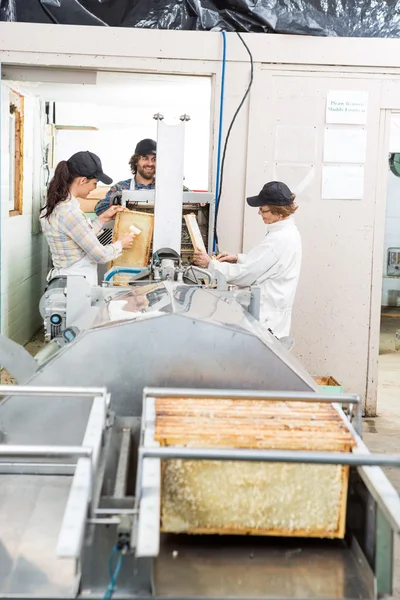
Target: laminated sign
x=347, y=107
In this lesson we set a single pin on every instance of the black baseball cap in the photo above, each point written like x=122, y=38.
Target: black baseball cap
x=274, y=193
x=88, y=165
x=145, y=147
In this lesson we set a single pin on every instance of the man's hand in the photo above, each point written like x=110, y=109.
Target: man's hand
x=109, y=214
x=201, y=259
x=229, y=258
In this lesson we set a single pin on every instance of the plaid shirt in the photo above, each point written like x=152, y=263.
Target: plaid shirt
x=71, y=236
x=106, y=202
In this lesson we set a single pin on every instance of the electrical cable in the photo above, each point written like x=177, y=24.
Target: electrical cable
x=113, y=571
x=219, y=192
x=221, y=115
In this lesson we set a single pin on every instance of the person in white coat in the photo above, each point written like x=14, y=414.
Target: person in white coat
x=274, y=264
x=71, y=235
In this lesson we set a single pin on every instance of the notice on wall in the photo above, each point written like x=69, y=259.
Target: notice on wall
x=345, y=145
x=347, y=107
x=342, y=182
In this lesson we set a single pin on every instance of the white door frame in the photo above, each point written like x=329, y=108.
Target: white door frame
x=371, y=402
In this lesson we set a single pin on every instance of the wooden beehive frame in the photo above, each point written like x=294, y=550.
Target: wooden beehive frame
x=256, y=424
x=195, y=233
x=139, y=254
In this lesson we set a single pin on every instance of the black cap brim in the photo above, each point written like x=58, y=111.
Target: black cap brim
x=104, y=178
x=255, y=201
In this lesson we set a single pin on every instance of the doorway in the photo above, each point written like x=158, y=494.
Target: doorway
x=389, y=342
x=63, y=111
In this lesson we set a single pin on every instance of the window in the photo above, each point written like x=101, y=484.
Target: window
x=16, y=149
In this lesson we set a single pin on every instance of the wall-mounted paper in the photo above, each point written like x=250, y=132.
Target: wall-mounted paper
x=342, y=182
x=345, y=145
x=347, y=107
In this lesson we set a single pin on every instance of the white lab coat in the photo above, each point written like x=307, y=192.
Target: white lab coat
x=274, y=265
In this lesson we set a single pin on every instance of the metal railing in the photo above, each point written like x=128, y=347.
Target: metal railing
x=84, y=470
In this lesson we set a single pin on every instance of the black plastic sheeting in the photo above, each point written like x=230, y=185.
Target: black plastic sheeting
x=343, y=18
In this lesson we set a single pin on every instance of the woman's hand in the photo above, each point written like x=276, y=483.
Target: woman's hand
x=201, y=259
x=229, y=258
x=127, y=240
x=109, y=214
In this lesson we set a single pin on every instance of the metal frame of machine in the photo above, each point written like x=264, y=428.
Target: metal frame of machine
x=71, y=304
x=96, y=518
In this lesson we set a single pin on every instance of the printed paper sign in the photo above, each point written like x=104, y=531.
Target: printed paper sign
x=347, y=107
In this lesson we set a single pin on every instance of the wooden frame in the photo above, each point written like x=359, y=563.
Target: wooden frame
x=195, y=233
x=195, y=492
x=17, y=108
x=139, y=254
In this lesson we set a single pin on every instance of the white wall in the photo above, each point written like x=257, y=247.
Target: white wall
x=23, y=254
x=333, y=302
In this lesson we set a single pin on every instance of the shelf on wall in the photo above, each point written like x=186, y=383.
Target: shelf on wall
x=76, y=127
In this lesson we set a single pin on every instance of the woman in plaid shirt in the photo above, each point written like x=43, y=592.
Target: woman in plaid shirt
x=71, y=235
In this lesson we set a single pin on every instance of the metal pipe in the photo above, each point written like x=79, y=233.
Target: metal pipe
x=251, y=395
x=110, y=521
x=115, y=511
x=93, y=436
x=281, y=456
x=70, y=539
x=27, y=468
x=24, y=390
x=123, y=464
x=10, y=451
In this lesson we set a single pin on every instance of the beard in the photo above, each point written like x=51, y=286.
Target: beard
x=146, y=173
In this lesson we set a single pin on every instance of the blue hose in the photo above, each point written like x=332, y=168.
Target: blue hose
x=221, y=114
x=114, y=572
x=117, y=270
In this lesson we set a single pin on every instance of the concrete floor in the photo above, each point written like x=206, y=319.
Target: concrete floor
x=33, y=346
x=381, y=434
